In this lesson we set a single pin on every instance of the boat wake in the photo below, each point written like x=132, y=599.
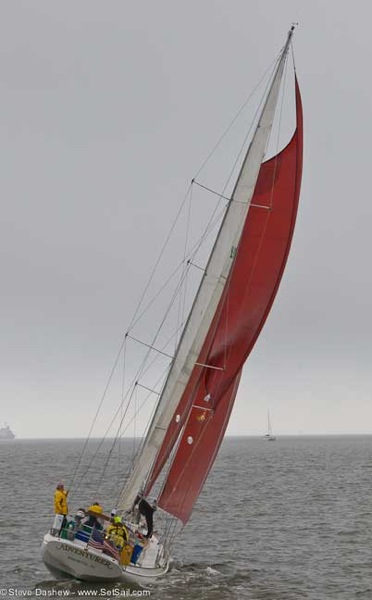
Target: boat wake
x=203, y=580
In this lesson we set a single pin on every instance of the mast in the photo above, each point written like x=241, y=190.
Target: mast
x=269, y=424
x=210, y=291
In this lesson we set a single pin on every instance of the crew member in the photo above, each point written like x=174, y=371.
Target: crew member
x=145, y=509
x=93, y=512
x=117, y=533
x=60, y=500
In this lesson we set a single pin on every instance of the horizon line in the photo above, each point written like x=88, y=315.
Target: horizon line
x=248, y=435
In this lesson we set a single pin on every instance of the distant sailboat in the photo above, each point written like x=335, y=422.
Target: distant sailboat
x=269, y=435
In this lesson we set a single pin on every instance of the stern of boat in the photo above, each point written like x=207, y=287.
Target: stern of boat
x=70, y=559
x=75, y=559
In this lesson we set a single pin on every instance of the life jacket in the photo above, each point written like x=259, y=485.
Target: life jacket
x=60, y=502
x=118, y=533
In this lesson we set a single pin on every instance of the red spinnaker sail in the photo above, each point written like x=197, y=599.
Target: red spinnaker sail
x=208, y=399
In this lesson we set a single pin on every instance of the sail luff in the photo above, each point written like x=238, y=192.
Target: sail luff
x=209, y=293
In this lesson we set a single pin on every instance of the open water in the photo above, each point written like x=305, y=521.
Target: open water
x=288, y=520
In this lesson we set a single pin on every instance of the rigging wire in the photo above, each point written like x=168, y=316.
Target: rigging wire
x=224, y=134
x=158, y=261
x=182, y=300
x=210, y=226
x=71, y=487
x=142, y=371
x=121, y=409
x=213, y=221
x=139, y=373
x=271, y=67
x=96, y=415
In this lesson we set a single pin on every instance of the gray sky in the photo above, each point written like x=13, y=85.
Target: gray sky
x=107, y=110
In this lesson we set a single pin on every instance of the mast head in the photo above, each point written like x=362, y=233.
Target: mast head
x=289, y=38
x=293, y=27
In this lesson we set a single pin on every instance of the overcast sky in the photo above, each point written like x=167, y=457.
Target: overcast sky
x=107, y=110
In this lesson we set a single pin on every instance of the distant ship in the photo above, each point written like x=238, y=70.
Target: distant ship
x=6, y=433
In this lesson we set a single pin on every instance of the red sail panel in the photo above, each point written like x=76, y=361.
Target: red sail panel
x=243, y=309
x=196, y=454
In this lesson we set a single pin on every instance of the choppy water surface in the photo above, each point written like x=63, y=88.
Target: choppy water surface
x=288, y=520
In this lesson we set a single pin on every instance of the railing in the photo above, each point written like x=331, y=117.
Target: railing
x=71, y=531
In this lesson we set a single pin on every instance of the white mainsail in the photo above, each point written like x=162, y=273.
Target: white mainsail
x=269, y=430
x=209, y=293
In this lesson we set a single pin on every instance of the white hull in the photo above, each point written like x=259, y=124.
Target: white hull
x=65, y=558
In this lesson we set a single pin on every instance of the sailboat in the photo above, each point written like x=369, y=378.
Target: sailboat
x=269, y=435
x=236, y=291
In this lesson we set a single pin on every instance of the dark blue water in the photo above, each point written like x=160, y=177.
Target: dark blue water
x=287, y=520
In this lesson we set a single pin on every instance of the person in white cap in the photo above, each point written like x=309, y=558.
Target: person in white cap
x=111, y=521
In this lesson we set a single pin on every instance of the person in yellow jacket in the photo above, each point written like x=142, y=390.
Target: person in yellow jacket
x=117, y=533
x=60, y=500
x=93, y=512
